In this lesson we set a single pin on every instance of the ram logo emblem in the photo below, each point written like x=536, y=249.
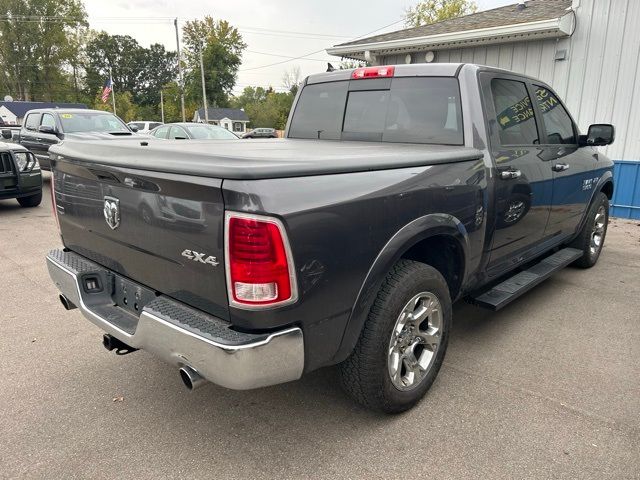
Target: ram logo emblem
x=201, y=257
x=112, y=212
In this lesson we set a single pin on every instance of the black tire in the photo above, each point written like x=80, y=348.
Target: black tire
x=583, y=241
x=365, y=375
x=30, y=201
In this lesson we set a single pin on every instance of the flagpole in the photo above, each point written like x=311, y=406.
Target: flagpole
x=113, y=92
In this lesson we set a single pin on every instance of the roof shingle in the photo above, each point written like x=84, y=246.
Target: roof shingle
x=535, y=10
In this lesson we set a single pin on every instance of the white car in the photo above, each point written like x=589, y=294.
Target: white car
x=144, y=126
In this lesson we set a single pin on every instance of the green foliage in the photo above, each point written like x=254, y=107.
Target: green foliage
x=349, y=64
x=431, y=11
x=36, y=53
x=265, y=107
x=141, y=71
x=221, y=45
x=125, y=108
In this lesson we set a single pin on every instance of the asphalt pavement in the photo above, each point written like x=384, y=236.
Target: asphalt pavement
x=549, y=387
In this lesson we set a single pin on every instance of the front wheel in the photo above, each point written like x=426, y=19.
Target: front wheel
x=591, y=237
x=30, y=201
x=403, y=342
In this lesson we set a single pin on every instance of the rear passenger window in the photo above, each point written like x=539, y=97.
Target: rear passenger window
x=556, y=120
x=31, y=123
x=161, y=132
x=514, y=113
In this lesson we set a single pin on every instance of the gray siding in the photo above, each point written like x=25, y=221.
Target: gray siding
x=600, y=79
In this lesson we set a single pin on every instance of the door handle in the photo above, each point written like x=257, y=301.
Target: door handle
x=560, y=167
x=510, y=174
x=38, y=139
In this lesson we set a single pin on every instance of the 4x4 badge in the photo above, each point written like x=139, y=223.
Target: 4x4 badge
x=201, y=257
x=112, y=212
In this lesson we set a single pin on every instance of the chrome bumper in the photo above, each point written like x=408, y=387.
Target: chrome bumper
x=181, y=335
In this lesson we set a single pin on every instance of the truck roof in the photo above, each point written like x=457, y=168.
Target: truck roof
x=66, y=110
x=415, y=70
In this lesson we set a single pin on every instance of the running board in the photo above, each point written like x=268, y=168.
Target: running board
x=512, y=288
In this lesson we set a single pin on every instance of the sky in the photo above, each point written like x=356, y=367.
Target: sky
x=274, y=30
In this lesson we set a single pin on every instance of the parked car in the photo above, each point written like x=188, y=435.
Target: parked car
x=20, y=175
x=48, y=126
x=397, y=191
x=140, y=126
x=261, y=133
x=192, y=131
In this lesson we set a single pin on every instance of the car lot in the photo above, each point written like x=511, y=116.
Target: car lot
x=548, y=387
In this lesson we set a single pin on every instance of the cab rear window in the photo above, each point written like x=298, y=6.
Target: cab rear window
x=412, y=110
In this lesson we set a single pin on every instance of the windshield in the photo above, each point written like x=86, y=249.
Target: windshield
x=92, y=122
x=209, y=132
x=403, y=109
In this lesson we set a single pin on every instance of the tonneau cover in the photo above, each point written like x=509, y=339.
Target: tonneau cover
x=258, y=159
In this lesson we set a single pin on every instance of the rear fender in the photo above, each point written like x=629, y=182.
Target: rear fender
x=408, y=236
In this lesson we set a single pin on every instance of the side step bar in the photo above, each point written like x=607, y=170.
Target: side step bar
x=512, y=288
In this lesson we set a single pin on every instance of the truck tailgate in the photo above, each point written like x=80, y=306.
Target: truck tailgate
x=162, y=230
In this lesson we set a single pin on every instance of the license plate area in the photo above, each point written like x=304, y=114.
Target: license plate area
x=131, y=296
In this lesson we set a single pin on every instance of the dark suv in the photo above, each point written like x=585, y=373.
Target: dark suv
x=261, y=133
x=20, y=175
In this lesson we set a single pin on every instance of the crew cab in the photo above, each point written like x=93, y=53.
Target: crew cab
x=20, y=175
x=396, y=191
x=47, y=126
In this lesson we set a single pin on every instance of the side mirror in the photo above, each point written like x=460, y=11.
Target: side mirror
x=7, y=134
x=600, y=134
x=47, y=129
x=133, y=128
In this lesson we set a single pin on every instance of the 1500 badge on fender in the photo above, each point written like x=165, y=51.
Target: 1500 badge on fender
x=200, y=257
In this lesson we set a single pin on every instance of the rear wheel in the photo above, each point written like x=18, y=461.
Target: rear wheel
x=403, y=342
x=31, y=201
x=591, y=237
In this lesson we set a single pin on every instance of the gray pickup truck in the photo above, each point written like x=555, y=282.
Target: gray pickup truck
x=397, y=191
x=45, y=127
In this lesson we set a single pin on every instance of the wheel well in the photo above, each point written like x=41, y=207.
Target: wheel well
x=607, y=189
x=443, y=253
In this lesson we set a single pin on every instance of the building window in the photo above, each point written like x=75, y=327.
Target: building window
x=238, y=127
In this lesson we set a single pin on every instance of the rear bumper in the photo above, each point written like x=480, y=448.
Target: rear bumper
x=181, y=335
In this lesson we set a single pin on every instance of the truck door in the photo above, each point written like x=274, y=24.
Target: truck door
x=29, y=131
x=574, y=169
x=45, y=140
x=523, y=180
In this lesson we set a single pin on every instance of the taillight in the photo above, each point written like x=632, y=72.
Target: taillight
x=373, y=72
x=260, y=271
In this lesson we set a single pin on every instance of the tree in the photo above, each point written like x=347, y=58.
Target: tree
x=291, y=79
x=119, y=54
x=349, y=64
x=125, y=108
x=36, y=47
x=221, y=45
x=265, y=107
x=431, y=11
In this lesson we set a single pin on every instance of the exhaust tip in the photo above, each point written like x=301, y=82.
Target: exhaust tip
x=66, y=303
x=191, y=378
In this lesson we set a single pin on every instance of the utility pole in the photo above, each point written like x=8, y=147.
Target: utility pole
x=113, y=92
x=204, y=90
x=162, y=106
x=175, y=23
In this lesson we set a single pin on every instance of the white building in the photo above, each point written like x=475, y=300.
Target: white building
x=233, y=119
x=587, y=50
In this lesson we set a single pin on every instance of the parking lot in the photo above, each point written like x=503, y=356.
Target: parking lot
x=549, y=387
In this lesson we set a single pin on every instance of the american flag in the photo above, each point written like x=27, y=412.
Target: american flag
x=108, y=86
